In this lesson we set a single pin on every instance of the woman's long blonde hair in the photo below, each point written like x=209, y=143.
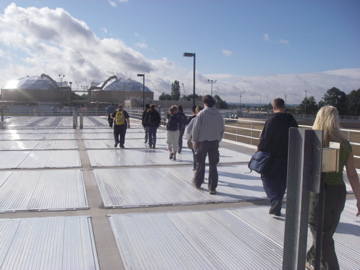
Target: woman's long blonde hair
x=327, y=120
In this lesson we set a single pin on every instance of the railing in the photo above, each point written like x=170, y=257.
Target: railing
x=248, y=132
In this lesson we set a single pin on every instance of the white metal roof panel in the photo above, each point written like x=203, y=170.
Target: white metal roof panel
x=51, y=190
x=135, y=187
x=39, y=145
x=40, y=159
x=148, y=157
x=47, y=243
x=244, y=238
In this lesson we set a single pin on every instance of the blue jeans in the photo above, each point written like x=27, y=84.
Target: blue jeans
x=274, y=182
x=152, y=135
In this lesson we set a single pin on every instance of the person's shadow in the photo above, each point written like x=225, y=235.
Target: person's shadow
x=348, y=228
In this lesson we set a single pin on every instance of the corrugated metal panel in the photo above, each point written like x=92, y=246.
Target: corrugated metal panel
x=149, y=157
x=214, y=239
x=42, y=190
x=47, y=243
x=40, y=159
x=132, y=187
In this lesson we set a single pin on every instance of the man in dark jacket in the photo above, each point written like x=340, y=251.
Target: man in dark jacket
x=147, y=108
x=152, y=120
x=274, y=138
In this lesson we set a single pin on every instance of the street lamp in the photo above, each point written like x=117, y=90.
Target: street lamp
x=212, y=82
x=187, y=54
x=61, y=77
x=240, y=101
x=143, y=75
x=305, y=100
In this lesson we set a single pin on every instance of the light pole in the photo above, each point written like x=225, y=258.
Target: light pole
x=212, y=82
x=240, y=101
x=143, y=75
x=70, y=93
x=305, y=100
x=187, y=54
x=61, y=77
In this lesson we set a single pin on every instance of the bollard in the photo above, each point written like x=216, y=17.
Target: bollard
x=74, y=120
x=81, y=120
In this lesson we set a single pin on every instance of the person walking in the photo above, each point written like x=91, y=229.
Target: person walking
x=147, y=108
x=327, y=120
x=182, y=124
x=188, y=131
x=207, y=132
x=274, y=139
x=172, y=131
x=121, y=123
x=152, y=120
x=109, y=111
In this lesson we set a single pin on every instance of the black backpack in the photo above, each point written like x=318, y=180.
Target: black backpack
x=173, y=122
x=152, y=118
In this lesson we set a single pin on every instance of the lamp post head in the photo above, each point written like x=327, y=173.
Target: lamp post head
x=141, y=75
x=187, y=54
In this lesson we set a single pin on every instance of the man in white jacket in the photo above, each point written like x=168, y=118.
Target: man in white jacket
x=207, y=132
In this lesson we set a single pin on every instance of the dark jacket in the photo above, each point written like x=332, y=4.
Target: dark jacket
x=275, y=135
x=152, y=118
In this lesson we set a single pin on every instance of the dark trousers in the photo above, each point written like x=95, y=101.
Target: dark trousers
x=210, y=149
x=152, y=135
x=182, y=130
x=120, y=130
x=110, y=121
x=335, y=197
x=274, y=182
x=146, y=134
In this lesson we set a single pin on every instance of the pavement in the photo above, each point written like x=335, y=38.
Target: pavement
x=70, y=200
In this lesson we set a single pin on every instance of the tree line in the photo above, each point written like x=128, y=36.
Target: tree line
x=347, y=104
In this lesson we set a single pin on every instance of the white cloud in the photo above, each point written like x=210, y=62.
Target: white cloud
x=141, y=45
x=283, y=41
x=227, y=52
x=112, y=3
x=266, y=37
x=35, y=41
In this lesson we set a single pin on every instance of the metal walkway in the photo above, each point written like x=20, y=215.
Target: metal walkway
x=69, y=200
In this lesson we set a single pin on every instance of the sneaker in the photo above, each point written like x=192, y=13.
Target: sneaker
x=194, y=184
x=171, y=156
x=122, y=146
x=116, y=144
x=179, y=151
x=213, y=192
x=174, y=157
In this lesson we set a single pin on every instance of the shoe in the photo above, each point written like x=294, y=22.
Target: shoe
x=153, y=146
x=275, y=209
x=116, y=144
x=179, y=151
x=194, y=184
x=213, y=192
x=122, y=146
x=309, y=266
x=174, y=157
x=171, y=156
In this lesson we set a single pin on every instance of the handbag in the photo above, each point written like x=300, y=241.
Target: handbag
x=260, y=162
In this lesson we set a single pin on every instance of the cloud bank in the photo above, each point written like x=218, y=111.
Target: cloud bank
x=51, y=41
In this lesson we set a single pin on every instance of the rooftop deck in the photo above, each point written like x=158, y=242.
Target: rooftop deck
x=70, y=200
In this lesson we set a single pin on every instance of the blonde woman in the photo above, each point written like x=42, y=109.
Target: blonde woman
x=327, y=120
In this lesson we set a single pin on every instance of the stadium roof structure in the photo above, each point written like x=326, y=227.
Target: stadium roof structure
x=114, y=83
x=42, y=82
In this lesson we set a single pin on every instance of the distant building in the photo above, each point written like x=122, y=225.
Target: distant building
x=119, y=90
x=35, y=89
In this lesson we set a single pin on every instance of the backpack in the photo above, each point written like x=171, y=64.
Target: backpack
x=119, y=118
x=152, y=119
x=173, y=123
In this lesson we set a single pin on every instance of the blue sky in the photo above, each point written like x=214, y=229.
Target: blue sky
x=234, y=40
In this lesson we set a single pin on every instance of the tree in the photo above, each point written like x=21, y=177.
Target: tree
x=337, y=98
x=352, y=102
x=164, y=96
x=175, y=90
x=308, y=106
x=220, y=104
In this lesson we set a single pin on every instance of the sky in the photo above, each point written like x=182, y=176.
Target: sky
x=256, y=50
